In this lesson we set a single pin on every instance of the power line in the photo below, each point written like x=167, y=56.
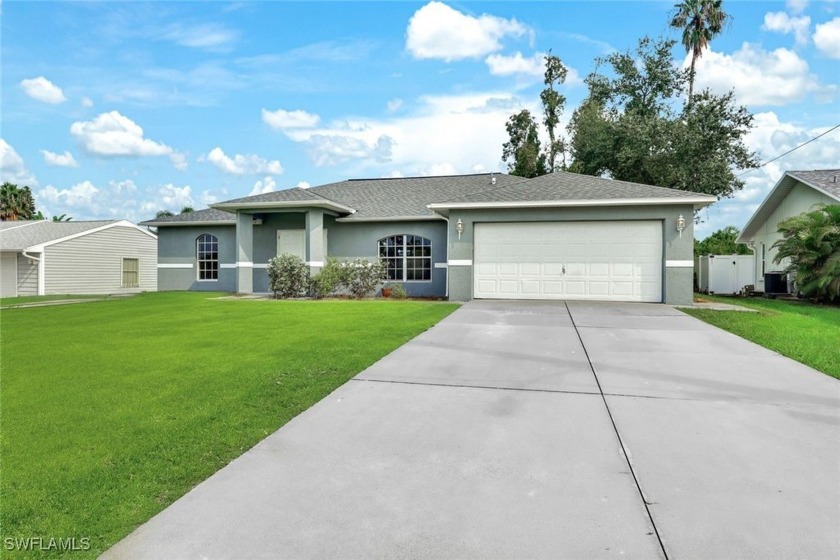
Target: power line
x=792, y=149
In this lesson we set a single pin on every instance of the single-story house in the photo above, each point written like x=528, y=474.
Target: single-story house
x=560, y=236
x=98, y=257
x=795, y=193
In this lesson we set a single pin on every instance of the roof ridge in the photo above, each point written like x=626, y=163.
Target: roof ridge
x=493, y=187
x=417, y=177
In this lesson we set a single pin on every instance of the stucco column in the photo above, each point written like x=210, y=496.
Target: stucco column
x=244, y=253
x=315, y=250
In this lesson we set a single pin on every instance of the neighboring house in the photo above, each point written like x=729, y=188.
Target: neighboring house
x=104, y=257
x=795, y=193
x=560, y=236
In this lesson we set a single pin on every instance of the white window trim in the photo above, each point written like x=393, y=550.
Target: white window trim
x=218, y=260
x=122, y=272
x=404, y=257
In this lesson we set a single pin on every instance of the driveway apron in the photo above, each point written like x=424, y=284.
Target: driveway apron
x=537, y=430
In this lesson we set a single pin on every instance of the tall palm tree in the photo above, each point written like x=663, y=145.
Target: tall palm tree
x=700, y=21
x=16, y=203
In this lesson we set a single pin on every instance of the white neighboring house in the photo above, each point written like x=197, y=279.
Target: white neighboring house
x=99, y=257
x=795, y=193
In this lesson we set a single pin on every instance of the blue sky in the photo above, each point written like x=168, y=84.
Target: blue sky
x=120, y=109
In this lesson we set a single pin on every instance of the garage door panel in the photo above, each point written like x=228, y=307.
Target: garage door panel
x=619, y=261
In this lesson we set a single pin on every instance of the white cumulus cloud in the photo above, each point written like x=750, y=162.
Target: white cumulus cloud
x=87, y=102
x=43, y=90
x=281, y=119
x=759, y=77
x=239, y=164
x=439, y=31
x=796, y=6
x=59, y=160
x=783, y=23
x=112, y=134
x=263, y=186
x=13, y=168
x=503, y=65
x=172, y=196
x=303, y=185
x=80, y=195
x=827, y=38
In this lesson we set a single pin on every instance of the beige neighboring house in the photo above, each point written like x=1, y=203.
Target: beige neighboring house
x=99, y=257
x=795, y=193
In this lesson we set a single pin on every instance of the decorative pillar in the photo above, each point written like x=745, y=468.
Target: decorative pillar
x=315, y=250
x=244, y=253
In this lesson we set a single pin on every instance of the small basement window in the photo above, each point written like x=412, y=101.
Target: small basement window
x=131, y=273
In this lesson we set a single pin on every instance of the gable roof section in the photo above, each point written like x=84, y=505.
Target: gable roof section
x=44, y=233
x=406, y=198
x=822, y=180
x=209, y=216
x=288, y=198
x=571, y=189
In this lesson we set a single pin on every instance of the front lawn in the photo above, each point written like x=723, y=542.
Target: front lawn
x=112, y=410
x=38, y=299
x=805, y=332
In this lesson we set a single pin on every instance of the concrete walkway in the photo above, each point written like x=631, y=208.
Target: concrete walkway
x=537, y=430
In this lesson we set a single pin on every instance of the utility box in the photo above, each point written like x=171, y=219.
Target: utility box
x=724, y=274
x=775, y=283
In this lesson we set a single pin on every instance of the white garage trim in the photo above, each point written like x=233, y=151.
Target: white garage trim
x=460, y=262
x=608, y=260
x=679, y=264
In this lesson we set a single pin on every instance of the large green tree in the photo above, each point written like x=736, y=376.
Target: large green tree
x=700, y=21
x=16, y=203
x=811, y=244
x=635, y=126
x=721, y=242
x=522, y=151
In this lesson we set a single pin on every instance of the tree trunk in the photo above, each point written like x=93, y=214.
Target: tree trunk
x=691, y=78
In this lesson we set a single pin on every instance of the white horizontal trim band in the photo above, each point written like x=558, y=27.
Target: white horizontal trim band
x=679, y=264
x=463, y=262
x=227, y=265
x=440, y=265
x=704, y=200
x=244, y=264
x=261, y=265
x=174, y=265
x=315, y=263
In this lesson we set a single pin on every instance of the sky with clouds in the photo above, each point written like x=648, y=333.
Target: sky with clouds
x=120, y=109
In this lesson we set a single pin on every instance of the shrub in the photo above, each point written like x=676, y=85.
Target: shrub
x=811, y=243
x=332, y=278
x=288, y=276
x=363, y=276
x=397, y=291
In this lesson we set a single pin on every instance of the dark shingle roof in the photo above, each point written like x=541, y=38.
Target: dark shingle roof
x=210, y=215
x=36, y=233
x=405, y=197
x=296, y=194
x=562, y=186
x=827, y=180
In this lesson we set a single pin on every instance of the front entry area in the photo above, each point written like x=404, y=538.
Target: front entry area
x=606, y=261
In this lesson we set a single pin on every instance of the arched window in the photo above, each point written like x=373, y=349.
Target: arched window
x=408, y=257
x=207, y=256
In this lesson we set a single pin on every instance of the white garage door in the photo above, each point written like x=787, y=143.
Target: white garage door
x=610, y=261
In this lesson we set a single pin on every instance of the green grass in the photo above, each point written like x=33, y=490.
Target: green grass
x=36, y=299
x=112, y=410
x=805, y=332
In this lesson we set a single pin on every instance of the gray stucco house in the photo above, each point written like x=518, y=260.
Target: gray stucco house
x=795, y=193
x=560, y=236
x=97, y=257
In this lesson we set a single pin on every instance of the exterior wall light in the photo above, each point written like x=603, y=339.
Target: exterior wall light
x=459, y=227
x=680, y=224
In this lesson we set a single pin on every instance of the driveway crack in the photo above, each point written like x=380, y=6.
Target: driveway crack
x=618, y=435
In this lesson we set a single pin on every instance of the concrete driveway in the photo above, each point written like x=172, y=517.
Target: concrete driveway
x=537, y=430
